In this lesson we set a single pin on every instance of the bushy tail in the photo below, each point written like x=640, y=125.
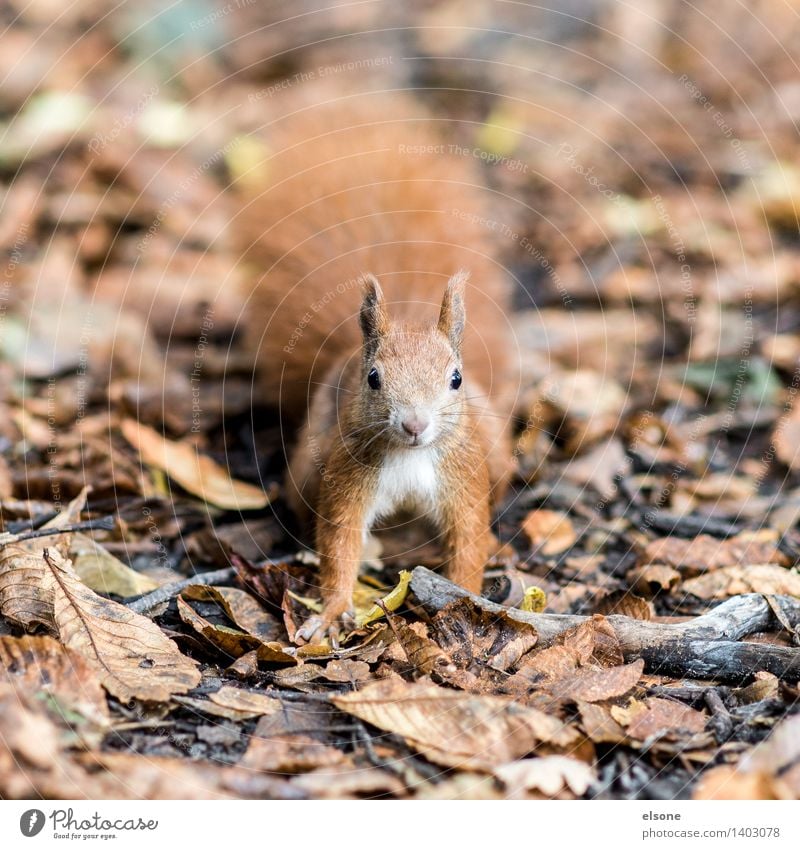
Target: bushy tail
x=358, y=184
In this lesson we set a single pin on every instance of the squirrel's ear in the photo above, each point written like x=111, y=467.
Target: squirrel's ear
x=452, y=317
x=373, y=318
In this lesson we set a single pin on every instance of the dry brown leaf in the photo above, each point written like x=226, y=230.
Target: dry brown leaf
x=706, y=554
x=624, y=603
x=346, y=671
x=246, y=701
x=549, y=775
x=597, y=685
x=25, y=597
x=658, y=716
x=778, y=751
x=27, y=736
x=594, y=641
x=414, y=647
x=242, y=609
x=735, y=580
x=231, y=641
x=289, y=754
x=549, y=531
x=129, y=653
x=599, y=725
x=470, y=635
x=195, y=472
x=764, y=686
x=653, y=579
x=43, y=665
x=345, y=781
x=727, y=782
x=454, y=728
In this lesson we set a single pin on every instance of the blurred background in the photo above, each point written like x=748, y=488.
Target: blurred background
x=644, y=161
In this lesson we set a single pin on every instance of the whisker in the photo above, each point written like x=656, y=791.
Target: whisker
x=337, y=387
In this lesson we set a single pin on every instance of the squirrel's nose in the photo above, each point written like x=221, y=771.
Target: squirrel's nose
x=416, y=424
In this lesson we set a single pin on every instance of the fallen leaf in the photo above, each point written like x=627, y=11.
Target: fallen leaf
x=27, y=736
x=706, y=554
x=728, y=782
x=195, y=472
x=598, y=724
x=289, y=754
x=347, y=781
x=129, y=653
x=104, y=573
x=242, y=609
x=624, y=603
x=549, y=775
x=454, y=728
x=653, y=579
x=469, y=635
x=346, y=671
x=656, y=716
x=391, y=601
x=43, y=665
x=246, y=701
x=26, y=599
x=597, y=685
x=549, y=531
x=735, y=580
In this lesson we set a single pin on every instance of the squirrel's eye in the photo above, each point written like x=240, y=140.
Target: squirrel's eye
x=455, y=380
x=374, y=379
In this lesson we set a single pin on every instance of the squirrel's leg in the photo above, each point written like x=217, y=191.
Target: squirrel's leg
x=339, y=543
x=468, y=538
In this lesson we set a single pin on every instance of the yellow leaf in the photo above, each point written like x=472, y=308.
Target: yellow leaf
x=392, y=601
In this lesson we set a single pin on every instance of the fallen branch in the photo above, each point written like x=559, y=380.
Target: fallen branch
x=146, y=603
x=704, y=647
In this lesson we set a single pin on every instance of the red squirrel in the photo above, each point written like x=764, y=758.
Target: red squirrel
x=381, y=324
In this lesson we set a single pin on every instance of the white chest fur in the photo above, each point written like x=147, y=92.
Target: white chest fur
x=407, y=480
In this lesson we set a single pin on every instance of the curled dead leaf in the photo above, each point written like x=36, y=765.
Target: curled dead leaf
x=195, y=472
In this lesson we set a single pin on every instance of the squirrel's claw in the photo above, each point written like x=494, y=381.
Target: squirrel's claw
x=321, y=628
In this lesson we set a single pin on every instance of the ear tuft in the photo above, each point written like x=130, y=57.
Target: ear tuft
x=372, y=316
x=453, y=316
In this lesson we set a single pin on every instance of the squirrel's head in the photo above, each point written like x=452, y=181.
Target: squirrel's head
x=411, y=377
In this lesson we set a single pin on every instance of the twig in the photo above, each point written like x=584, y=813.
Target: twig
x=702, y=647
x=145, y=603
x=106, y=523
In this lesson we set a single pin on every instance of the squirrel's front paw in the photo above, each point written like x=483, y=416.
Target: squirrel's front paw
x=324, y=627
